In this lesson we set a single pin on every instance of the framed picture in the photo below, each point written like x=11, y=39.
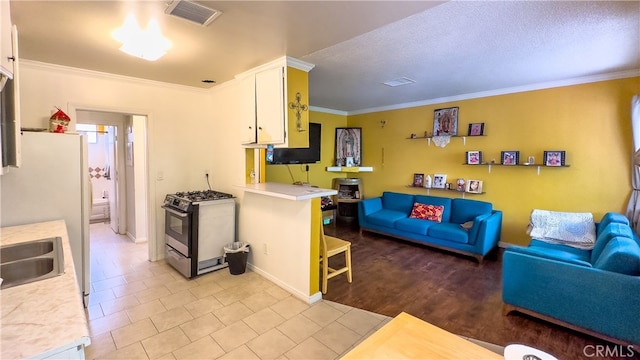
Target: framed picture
x=510, y=158
x=439, y=181
x=418, y=180
x=554, y=158
x=474, y=186
x=474, y=157
x=445, y=122
x=349, y=146
x=476, y=129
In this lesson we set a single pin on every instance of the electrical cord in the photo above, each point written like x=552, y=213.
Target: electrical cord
x=207, y=176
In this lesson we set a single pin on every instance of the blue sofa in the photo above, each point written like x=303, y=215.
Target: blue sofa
x=389, y=214
x=592, y=291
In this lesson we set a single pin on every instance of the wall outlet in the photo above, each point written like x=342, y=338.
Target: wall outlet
x=206, y=172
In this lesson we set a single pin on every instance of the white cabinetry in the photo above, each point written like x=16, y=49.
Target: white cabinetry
x=264, y=93
x=247, y=109
x=270, y=104
x=6, y=48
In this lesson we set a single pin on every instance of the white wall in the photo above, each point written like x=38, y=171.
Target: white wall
x=183, y=140
x=139, y=124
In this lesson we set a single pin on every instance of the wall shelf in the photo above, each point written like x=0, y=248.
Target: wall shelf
x=350, y=169
x=464, y=193
x=538, y=166
x=463, y=137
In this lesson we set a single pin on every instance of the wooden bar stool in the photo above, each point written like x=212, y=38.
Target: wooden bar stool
x=330, y=246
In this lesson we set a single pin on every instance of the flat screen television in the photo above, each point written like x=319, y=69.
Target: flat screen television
x=308, y=155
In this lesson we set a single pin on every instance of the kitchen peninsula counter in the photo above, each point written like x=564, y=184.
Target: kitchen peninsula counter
x=281, y=222
x=288, y=192
x=43, y=318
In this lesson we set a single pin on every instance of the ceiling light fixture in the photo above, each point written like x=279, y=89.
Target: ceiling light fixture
x=146, y=44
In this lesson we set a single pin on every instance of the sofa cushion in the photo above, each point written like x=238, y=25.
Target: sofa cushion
x=612, y=217
x=427, y=212
x=398, y=202
x=620, y=255
x=561, y=252
x=463, y=210
x=609, y=232
x=449, y=231
x=436, y=200
x=415, y=226
x=386, y=217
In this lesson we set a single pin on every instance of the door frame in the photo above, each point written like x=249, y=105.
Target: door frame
x=150, y=201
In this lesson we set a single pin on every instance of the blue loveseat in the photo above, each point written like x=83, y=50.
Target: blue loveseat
x=467, y=227
x=593, y=291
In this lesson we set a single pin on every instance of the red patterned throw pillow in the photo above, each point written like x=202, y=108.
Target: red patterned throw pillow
x=427, y=212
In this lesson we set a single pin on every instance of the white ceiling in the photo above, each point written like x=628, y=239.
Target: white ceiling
x=451, y=49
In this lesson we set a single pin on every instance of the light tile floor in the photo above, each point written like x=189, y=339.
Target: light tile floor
x=146, y=310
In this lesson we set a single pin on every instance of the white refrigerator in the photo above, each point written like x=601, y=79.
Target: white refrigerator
x=52, y=183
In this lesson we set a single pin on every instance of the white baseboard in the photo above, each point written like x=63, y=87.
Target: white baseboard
x=136, y=240
x=309, y=299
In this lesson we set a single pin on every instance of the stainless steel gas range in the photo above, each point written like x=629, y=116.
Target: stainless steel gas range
x=198, y=224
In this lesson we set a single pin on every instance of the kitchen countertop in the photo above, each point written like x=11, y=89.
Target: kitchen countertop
x=45, y=317
x=286, y=191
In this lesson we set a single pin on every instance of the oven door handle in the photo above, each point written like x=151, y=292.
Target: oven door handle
x=177, y=213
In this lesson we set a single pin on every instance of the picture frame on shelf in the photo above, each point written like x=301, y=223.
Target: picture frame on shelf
x=445, y=122
x=474, y=157
x=439, y=181
x=474, y=186
x=510, y=158
x=554, y=158
x=348, y=146
x=476, y=129
x=418, y=180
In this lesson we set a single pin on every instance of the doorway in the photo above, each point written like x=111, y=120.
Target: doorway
x=101, y=160
x=117, y=169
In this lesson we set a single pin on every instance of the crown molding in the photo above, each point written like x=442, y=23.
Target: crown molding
x=103, y=75
x=505, y=91
x=299, y=64
x=328, y=111
x=281, y=61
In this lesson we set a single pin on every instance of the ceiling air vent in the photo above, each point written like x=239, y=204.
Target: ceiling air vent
x=399, y=82
x=192, y=11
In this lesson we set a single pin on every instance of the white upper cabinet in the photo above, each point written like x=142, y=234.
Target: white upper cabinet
x=270, y=115
x=6, y=46
x=247, y=111
x=264, y=95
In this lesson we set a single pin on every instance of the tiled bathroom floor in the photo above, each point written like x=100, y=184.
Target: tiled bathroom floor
x=144, y=310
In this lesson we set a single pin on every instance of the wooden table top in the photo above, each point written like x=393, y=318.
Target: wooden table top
x=407, y=337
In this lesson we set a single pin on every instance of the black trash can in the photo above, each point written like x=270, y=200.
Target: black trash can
x=237, y=253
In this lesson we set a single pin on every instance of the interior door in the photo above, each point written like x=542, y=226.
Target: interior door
x=112, y=159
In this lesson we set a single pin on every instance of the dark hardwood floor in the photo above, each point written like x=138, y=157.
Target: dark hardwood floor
x=448, y=290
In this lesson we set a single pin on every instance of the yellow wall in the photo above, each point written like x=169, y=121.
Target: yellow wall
x=591, y=122
x=297, y=82
x=317, y=176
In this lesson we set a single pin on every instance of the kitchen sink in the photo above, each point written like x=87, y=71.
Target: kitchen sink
x=26, y=250
x=31, y=261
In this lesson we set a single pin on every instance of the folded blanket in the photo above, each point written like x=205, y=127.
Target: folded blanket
x=566, y=228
